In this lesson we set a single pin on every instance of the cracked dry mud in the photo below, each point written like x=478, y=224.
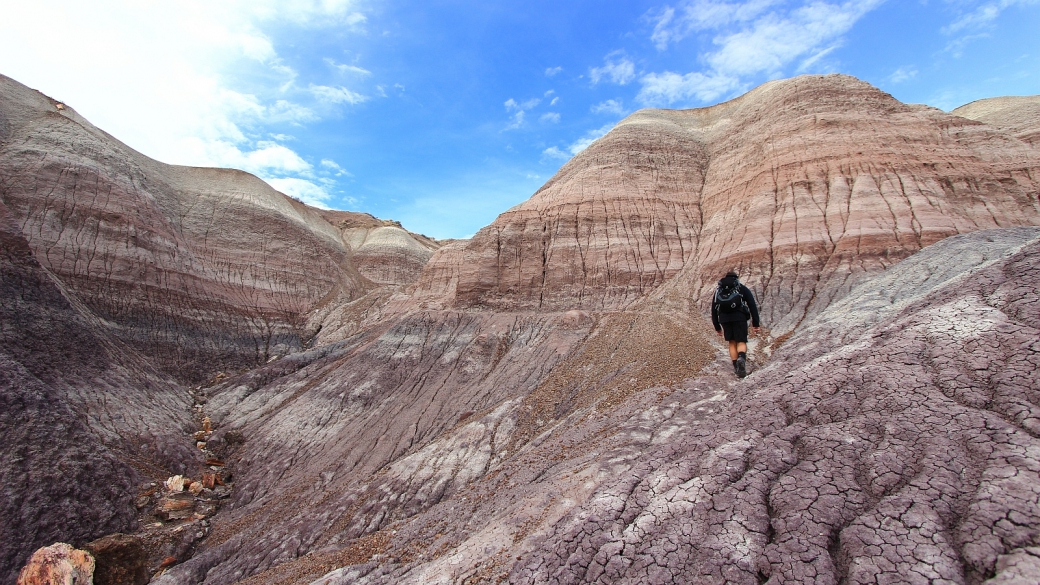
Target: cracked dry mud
x=544, y=403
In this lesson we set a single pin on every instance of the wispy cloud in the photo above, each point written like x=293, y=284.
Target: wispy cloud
x=179, y=80
x=303, y=190
x=554, y=152
x=903, y=74
x=672, y=25
x=609, y=107
x=334, y=167
x=515, y=121
x=618, y=69
x=512, y=105
x=336, y=95
x=668, y=88
x=976, y=24
x=552, y=71
x=344, y=68
x=519, y=111
x=550, y=117
x=753, y=39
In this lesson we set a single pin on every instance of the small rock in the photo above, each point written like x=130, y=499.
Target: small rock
x=209, y=480
x=58, y=563
x=201, y=445
x=175, y=507
x=175, y=483
x=195, y=488
x=207, y=424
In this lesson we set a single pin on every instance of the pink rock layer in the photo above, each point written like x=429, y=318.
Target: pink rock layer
x=803, y=185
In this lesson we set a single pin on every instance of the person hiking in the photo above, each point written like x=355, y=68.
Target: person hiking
x=731, y=308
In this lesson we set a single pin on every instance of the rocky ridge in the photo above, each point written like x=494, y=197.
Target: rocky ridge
x=495, y=414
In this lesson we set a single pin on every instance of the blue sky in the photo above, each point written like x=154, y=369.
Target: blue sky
x=443, y=114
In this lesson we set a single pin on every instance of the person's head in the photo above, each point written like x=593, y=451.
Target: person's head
x=731, y=274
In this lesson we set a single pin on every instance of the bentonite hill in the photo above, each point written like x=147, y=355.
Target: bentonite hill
x=546, y=402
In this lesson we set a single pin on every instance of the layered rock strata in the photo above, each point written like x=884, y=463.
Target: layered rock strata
x=382, y=250
x=804, y=185
x=543, y=403
x=1019, y=116
x=84, y=417
x=893, y=435
x=201, y=270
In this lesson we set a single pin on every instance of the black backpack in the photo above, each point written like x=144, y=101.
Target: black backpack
x=728, y=298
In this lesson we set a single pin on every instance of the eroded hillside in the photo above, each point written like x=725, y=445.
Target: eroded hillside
x=547, y=401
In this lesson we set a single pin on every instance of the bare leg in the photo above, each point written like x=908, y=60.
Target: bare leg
x=741, y=347
x=734, y=348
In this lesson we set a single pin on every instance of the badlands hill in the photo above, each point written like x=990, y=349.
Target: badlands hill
x=543, y=403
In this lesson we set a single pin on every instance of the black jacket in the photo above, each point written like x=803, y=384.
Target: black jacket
x=749, y=298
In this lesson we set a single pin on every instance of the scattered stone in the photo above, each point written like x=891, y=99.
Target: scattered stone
x=175, y=483
x=195, y=488
x=176, y=506
x=58, y=564
x=209, y=480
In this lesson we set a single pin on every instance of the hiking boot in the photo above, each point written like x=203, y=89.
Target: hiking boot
x=741, y=367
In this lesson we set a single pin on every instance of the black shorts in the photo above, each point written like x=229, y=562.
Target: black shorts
x=735, y=331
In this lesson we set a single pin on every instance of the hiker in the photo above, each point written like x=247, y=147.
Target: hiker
x=731, y=308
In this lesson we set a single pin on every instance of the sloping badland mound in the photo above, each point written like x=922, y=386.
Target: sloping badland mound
x=803, y=184
x=124, y=281
x=547, y=402
x=1019, y=116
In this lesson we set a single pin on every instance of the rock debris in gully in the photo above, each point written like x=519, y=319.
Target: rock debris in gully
x=204, y=381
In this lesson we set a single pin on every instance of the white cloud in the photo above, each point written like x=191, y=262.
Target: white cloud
x=169, y=78
x=618, y=69
x=520, y=109
x=513, y=105
x=516, y=121
x=334, y=167
x=902, y=74
x=551, y=117
x=303, y=190
x=609, y=107
x=977, y=23
x=702, y=15
x=753, y=38
x=554, y=101
x=774, y=40
x=983, y=16
x=336, y=95
x=554, y=152
x=668, y=88
x=552, y=71
x=343, y=68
